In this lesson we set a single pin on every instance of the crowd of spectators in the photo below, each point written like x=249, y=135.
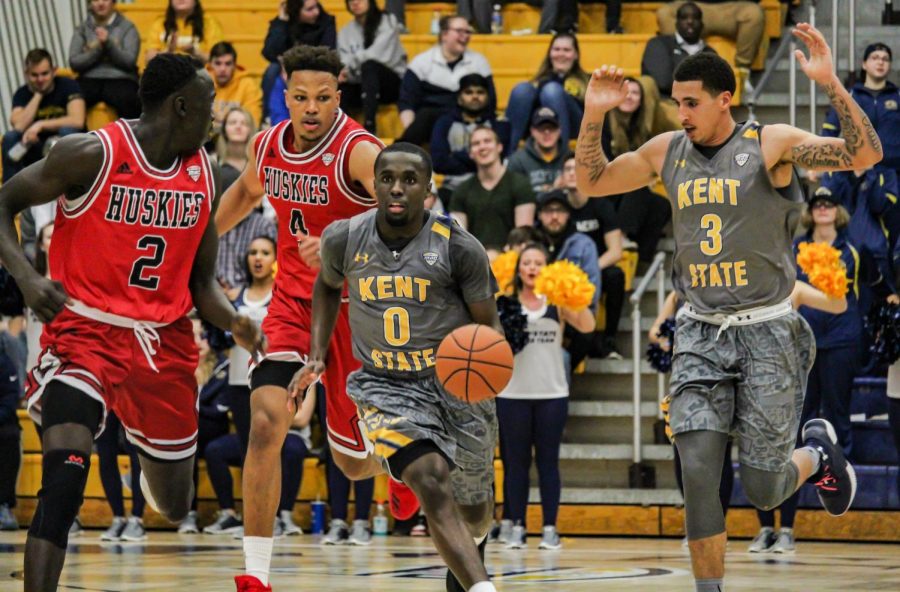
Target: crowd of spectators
x=498, y=175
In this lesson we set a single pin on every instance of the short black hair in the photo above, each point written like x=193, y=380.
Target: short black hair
x=686, y=6
x=711, y=70
x=164, y=75
x=36, y=56
x=312, y=57
x=222, y=48
x=407, y=148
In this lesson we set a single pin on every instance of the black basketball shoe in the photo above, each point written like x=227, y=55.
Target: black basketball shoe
x=835, y=479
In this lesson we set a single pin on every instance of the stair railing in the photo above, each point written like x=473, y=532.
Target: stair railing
x=656, y=270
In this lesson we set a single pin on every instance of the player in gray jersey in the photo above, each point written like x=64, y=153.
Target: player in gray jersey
x=741, y=355
x=413, y=277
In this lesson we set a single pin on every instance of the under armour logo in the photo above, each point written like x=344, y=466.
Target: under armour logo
x=271, y=153
x=363, y=257
x=124, y=169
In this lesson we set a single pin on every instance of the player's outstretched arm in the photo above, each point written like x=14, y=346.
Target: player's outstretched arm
x=210, y=299
x=69, y=170
x=326, y=304
x=595, y=174
x=858, y=147
x=243, y=195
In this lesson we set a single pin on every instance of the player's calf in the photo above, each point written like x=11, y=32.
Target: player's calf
x=168, y=486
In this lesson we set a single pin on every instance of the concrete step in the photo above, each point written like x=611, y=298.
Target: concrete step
x=605, y=474
x=609, y=430
x=610, y=495
x=612, y=387
x=651, y=452
x=608, y=409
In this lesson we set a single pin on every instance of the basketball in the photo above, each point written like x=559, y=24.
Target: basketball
x=474, y=363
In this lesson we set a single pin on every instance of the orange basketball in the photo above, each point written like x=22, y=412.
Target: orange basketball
x=474, y=363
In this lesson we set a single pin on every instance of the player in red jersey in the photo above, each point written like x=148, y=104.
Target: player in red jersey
x=315, y=168
x=135, y=251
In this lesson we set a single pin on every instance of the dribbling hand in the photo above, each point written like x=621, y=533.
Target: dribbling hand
x=44, y=297
x=302, y=380
x=248, y=335
x=309, y=251
x=606, y=90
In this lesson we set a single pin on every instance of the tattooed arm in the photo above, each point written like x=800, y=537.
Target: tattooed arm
x=857, y=148
x=596, y=175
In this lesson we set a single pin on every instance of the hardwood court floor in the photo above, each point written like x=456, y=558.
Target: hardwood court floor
x=201, y=563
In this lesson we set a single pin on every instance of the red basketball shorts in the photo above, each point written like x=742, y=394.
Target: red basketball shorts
x=157, y=407
x=288, y=326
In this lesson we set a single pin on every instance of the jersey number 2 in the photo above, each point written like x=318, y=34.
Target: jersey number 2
x=156, y=245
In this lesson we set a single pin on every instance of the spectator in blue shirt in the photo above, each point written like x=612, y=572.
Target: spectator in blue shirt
x=452, y=132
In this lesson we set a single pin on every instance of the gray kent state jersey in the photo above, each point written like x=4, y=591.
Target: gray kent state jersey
x=403, y=303
x=733, y=229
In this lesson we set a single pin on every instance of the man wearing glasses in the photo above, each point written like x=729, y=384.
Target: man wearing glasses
x=431, y=82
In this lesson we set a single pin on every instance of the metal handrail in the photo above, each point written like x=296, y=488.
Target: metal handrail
x=656, y=268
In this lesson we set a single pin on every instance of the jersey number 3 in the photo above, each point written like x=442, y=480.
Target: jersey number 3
x=712, y=224
x=156, y=247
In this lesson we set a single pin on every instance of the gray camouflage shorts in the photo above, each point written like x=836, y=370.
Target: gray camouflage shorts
x=397, y=412
x=749, y=382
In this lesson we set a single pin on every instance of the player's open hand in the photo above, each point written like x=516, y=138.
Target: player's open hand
x=309, y=251
x=44, y=297
x=606, y=90
x=818, y=67
x=305, y=378
x=249, y=336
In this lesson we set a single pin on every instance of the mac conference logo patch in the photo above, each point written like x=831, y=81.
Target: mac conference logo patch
x=430, y=257
x=742, y=158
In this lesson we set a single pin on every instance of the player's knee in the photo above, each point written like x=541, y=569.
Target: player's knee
x=267, y=430
x=175, y=503
x=353, y=468
x=762, y=488
x=63, y=479
x=429, y=478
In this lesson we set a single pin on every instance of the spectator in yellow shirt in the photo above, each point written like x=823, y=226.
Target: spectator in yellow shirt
x=233, y=87
x=184, y=29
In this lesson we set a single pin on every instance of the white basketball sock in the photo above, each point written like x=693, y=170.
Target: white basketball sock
x=483, y=587
x=257, y=557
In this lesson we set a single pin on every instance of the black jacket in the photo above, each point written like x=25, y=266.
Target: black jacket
x=282, y=35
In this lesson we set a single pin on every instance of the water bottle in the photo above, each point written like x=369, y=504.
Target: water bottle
x=380, y=522
x=17, y=152
x=318, y=516
x=436, y=22
x=496, y=21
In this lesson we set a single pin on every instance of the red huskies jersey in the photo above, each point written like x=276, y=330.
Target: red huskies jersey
x=309, y=191
x=127, y=246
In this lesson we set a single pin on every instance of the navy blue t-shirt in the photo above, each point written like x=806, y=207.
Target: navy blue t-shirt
x=54, y=103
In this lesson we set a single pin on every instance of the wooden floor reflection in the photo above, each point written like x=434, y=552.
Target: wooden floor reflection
x=201, y=563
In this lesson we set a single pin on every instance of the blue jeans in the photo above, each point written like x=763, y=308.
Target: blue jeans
x=525, y=98
x=35, y=151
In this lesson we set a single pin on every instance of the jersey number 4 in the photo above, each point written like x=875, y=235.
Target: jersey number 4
x=297, y=226
x=156, y=248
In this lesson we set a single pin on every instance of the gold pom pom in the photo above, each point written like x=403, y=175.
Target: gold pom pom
x=504, y=268
x=566, y=285
x=822, y=264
